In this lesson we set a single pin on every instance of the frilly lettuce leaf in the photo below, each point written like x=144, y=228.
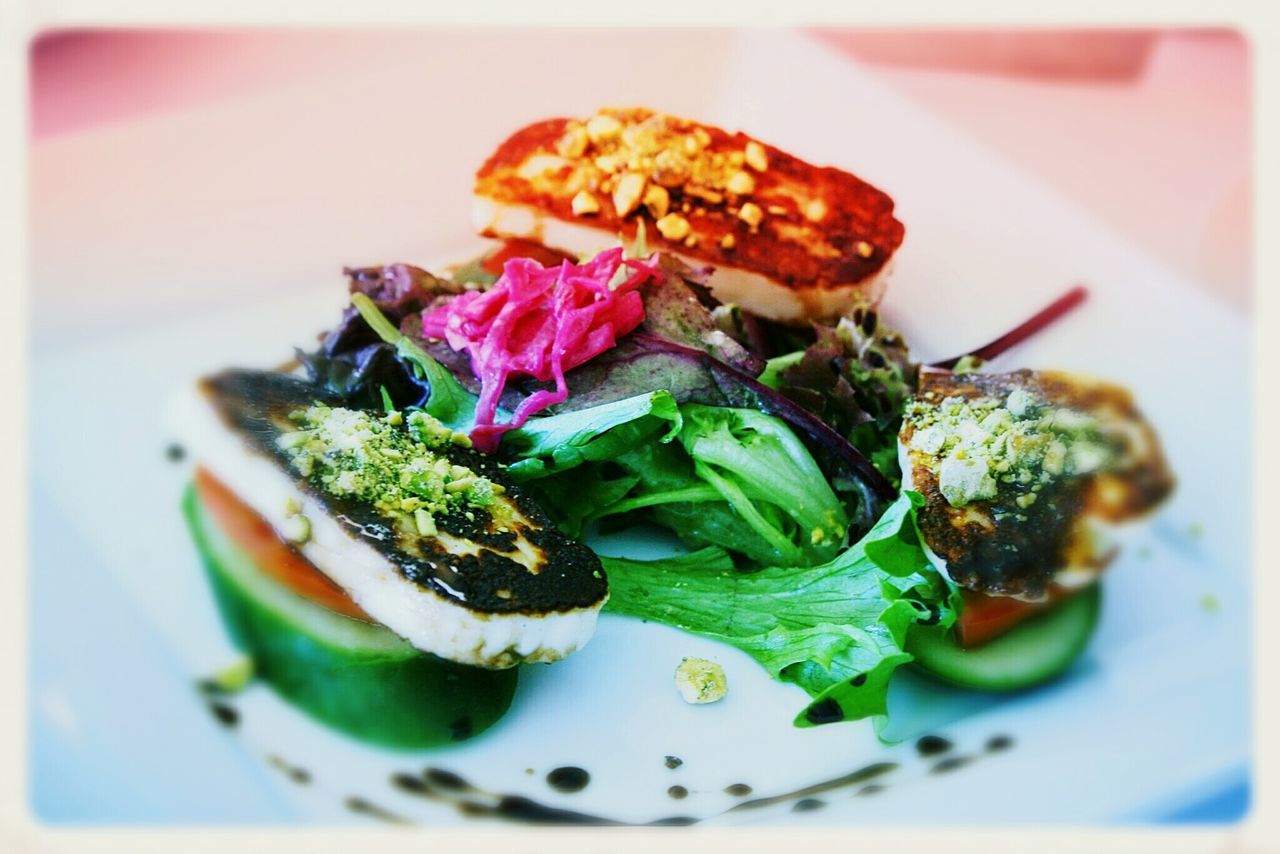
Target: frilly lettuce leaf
x=835, y=630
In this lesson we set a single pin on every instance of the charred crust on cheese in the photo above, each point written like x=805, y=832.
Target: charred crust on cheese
x=729, y=200
x=997, y=547
x=256, y=406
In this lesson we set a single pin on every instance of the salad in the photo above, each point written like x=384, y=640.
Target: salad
x=674, y=326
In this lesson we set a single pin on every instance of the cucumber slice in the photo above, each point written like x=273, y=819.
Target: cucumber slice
x=1033, y=652
x=357, y=677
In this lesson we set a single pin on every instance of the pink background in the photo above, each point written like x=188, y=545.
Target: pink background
x=1149, y=131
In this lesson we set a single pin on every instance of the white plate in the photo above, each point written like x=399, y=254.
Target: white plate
x=1153, y=715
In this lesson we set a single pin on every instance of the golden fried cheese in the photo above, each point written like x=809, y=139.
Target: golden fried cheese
x=788, y=240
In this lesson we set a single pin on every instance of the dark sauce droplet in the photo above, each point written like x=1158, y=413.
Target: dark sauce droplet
x=409, y=783
x=445, y=779
x=861, y=775
x=301, y=776
x=678, y=792
x=226, y=715
x=870, y=789
x=932, y=745
x=997, y=743
x=570, y=778
x=461, y=729
x=950, y=764
x=525, y=809
x=673, y=821
x=175, y=453
x=673, y=761
x=808, y=805
x=363, y=807
x=826, y=711
x=859, y=680
x=738, y=790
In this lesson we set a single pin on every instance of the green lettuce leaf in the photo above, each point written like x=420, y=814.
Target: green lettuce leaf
x=736, y=478
x=836, y=630
x=557, y=443
x=448, y=402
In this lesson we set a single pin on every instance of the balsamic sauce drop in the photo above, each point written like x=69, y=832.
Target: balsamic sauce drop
x=225, y=714
x=363, y=807
x=738, y=790
x=445, y=779
x=826, y=711
x=678, y=792
x=951, y=763
x=862, y=775
x=301, y=776
x=997, y=743
x=569, y=778
x=175, y=453
x=932, y=745
x=673, y=761
x=808, y=805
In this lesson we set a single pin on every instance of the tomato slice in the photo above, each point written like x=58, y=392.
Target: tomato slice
x=986, y=617
x=272, y=555
x=522, y=249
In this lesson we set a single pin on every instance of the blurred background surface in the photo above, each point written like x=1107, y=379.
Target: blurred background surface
x=1149, y=130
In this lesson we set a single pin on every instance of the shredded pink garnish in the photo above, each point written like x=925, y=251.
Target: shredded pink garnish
x=539, y=322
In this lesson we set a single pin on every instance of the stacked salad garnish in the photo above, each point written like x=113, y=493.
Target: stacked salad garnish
x=406, y=517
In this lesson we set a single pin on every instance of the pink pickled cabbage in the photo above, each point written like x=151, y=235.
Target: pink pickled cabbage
x=540, y=322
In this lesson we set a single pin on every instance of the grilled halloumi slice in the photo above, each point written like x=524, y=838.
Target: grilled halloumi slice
x=788, y=240
x=461, y=564
x=1025, y=475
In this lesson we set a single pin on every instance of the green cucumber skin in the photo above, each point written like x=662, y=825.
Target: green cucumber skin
x=1030, y=654
x=396, y=699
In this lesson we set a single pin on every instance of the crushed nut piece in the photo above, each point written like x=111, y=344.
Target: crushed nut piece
x=574, y=141
x=670, y=168
x=756, y=157
x=602, y=127
x=741, y=183
x=703, y=193
x=728, y=242
x=673, y=227
x=777, y=210
x=584, y=203
x=691, y=241
x=815, y=210
x=608, y=163
x=864, y=249
x=751, y=214
x=626, y=196
x=657, y=201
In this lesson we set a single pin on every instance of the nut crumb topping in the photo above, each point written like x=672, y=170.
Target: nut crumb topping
x=673, y=227
x=751, y=214
x=584, y=204
x=642, y=160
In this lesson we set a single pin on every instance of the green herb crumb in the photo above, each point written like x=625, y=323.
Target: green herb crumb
x=1023, y=441
x=701, y=681
x=393, y=462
